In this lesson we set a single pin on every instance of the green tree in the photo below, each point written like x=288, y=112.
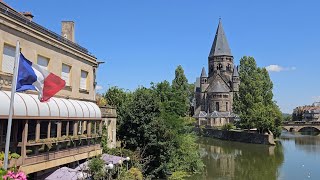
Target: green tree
x=181, y=92
x=254, y=101
x=154, y=126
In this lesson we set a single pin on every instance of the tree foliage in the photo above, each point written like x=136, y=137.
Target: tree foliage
x=254, y=102
x=154, y=123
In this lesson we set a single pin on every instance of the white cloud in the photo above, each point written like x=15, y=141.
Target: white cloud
x=99, y=87
x=277, y=68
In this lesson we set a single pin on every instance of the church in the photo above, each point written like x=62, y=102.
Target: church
x=214, y=92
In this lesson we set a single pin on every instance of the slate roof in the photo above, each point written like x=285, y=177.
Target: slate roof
x=203, y=73
x=218, y=88
x=235, y=72
x=197, y=85
x=220, y=44
x=221, y=114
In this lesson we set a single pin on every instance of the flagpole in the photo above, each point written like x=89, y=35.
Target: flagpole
x=13, y=90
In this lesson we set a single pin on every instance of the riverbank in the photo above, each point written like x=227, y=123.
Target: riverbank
x=239, y=136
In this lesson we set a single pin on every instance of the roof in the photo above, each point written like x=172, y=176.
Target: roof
x=29, y=106
x=12, y=13
x=203, y=73
x=220, y=44
x=215, y=114
x=235, y=71
x=197, y=85
x=218, y=88
x=67, y=173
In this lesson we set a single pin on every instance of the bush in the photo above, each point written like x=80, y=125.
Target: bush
x=132, y=174
x=178, y=175
x=227, y=127
x=15, y=156
x=96, y=167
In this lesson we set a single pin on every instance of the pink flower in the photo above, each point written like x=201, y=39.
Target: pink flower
x=15, y=176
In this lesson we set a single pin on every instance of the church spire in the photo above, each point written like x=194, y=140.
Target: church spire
x=203, y=73
x=220, y=44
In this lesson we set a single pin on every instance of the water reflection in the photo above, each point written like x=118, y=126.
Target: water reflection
x=232, y=160
x=308, y=141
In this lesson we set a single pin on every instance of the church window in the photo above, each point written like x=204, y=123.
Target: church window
x=227, y=108
x=217, y=106
x=229, y=67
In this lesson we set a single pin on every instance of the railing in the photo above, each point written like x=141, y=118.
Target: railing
x=59, y=154
x=300, y=123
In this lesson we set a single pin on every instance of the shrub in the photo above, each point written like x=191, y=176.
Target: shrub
x=96, y=168
x=178, y=175
x=15, y=156
x=132, y=174
x=227, y=127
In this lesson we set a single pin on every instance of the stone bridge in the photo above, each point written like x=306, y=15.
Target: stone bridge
x=299, y=126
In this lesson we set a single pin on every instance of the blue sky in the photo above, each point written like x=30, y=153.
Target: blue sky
x=143, y=41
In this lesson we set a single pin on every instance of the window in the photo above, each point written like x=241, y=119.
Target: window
x=227, y=108
x=217, y=106
x=8, y=58
x=65, y=74
x=43, y=62
x=83, y=80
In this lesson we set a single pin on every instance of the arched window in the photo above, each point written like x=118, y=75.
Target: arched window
x=217, y=106
x=229, y=67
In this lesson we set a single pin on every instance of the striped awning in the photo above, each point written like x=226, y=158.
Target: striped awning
x=28, y=106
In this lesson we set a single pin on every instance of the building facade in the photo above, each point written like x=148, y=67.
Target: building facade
x=68, y=128
x=214, y=92
x=307, y=113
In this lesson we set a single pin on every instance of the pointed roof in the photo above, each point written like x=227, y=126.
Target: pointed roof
x=203, y=73
x=235, y=71
x=218, y=87
x=220, y=44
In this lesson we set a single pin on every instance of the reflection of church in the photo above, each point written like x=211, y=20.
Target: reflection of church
x=221, y=161
x=214, y=92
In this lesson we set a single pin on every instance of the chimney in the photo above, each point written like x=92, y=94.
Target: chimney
x=67, y=30
x=28, y=15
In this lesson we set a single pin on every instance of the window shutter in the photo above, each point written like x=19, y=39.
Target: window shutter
x=8, y=59
x=83, y=80
x=65, y=74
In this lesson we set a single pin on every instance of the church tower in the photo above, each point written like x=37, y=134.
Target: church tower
x=203, y=87
x=220, y=58
x=214, y=92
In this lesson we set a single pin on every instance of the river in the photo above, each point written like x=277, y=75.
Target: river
x=295, y=157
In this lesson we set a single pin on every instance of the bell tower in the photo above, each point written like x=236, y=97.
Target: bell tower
x=220, y=58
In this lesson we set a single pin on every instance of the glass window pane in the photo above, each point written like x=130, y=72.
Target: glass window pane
x=8, y=58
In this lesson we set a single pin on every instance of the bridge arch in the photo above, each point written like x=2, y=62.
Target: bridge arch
x=310, y=128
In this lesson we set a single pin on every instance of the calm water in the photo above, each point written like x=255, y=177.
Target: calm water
x=296, y=156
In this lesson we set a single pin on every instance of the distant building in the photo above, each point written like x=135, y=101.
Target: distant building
x=307, y=113
x=68, y=128
x=214, y=92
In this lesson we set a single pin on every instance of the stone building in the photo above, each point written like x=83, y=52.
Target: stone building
x=66, y=130
x=307, y=113
x=214, y=92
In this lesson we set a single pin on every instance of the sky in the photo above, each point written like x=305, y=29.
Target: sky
x=143, y=41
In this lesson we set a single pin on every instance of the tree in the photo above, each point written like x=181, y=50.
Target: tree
x=154, y=124
x=254, y=102
x=181, y=92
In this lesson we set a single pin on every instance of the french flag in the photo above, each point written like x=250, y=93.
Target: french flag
x=33, y=77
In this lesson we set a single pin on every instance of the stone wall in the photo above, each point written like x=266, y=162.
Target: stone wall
x=109, y=116
x=246, y=137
